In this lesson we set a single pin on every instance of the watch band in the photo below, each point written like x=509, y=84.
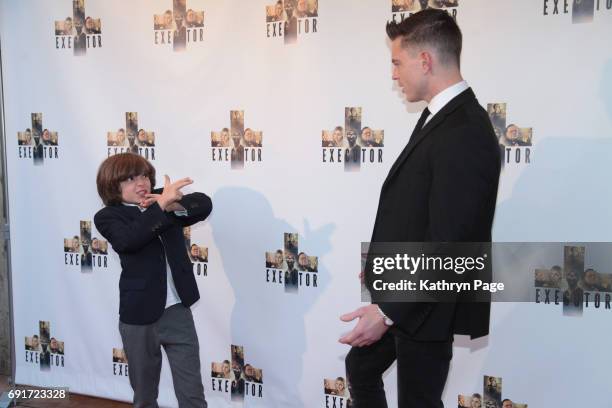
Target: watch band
x=386, y=320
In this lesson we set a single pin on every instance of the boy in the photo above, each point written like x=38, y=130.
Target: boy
x=157, y=285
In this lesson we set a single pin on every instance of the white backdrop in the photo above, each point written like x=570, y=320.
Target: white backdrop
x=554, y=76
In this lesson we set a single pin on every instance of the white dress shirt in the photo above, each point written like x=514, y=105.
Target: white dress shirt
x=441, y=99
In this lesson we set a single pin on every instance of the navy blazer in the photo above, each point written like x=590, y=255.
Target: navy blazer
x=143, y=240
x=442, y=188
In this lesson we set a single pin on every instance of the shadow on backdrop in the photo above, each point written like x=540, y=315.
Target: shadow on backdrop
x=266, y=320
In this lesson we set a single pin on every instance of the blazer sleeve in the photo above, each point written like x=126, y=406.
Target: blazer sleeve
x=198, y=207
x=131, y=236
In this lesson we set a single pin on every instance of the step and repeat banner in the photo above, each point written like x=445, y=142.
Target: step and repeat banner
x=285, y=113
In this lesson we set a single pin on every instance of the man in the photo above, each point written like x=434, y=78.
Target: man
x=303, y=262
x=291, y=23
x=302, y=10
x=76, y=244
x=590, y=281
x=352, y=156
x=511, y=136
x=249, y=138
x=120, y=138
x=555, y=277
x=442, y=188
x=80, y=38
x=168, y=21
x=190, y=20
x=291, y=274
x=507, y=403
x=35, y=344
x=179, y=37
x=574, y=294
x=86, y=257
x=53, y=346
x=366, y=137
x=237, y=387
x=237, y=154
x=142, y=138
x=68, y=29
x=38, y=154
x=131, y=137
x=279, y=259
x=46, y=137
x=248, y=373
x=476, y=401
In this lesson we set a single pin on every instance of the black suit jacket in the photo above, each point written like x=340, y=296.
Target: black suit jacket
x=442, y=188
x=143, y=240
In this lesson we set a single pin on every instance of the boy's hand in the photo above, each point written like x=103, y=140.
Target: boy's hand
x=175, y=206
x=169, y=196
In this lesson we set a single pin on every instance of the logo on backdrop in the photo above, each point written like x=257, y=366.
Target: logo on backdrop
x=290, y=19
x=352, y=145
x=179, y=26
x=236, y=144
x=336, y=393
x=85, y=252
x=515, y=142
x=572, y=285
x=43, y=350
x=78, y=33
x=237, y=378
x=138, y=140
x=197, y=254
x=402, y=9
x=490, y=398
x=120, y=363
x=37, y=144
x=290, y=267
x=582, y=11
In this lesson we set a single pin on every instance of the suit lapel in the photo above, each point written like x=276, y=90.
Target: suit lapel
x=438, y=118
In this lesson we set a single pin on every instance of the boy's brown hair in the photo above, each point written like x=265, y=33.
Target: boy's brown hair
x=119, y=168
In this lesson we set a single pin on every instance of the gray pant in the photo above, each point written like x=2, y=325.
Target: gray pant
x=176, y=332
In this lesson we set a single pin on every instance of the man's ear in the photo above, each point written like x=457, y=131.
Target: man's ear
x=426, y=59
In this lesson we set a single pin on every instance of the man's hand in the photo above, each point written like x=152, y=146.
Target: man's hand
x=167, y=200
x=369, y=329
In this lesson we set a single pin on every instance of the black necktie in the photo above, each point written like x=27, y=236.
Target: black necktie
x=421, y=122
x=417, y=129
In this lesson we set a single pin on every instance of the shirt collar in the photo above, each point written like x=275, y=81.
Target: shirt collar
x=441, y=99
x=133, y=205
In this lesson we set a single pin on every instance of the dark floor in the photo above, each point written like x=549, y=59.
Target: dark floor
x=75, y=400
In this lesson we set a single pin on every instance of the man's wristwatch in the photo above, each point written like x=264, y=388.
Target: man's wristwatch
x=386, y=320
